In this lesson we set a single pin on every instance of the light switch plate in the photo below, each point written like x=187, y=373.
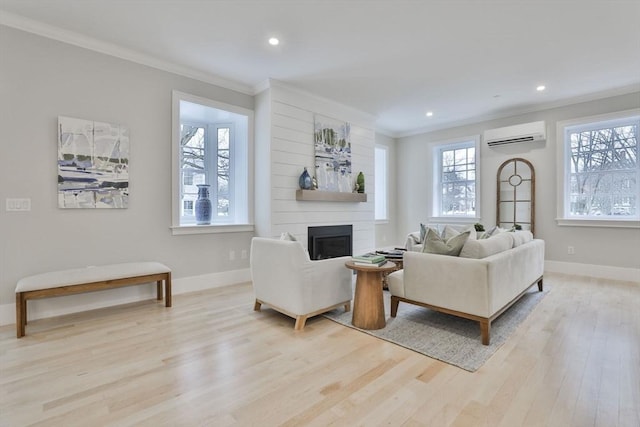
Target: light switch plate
x=18, y=205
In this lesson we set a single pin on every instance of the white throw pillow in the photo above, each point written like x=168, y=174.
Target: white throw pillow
x=478, y=249
x=521, y=237
x=494, y=231
x=288, y=236
x=450, y=232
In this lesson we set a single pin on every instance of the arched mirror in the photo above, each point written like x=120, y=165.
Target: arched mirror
x=516, y=194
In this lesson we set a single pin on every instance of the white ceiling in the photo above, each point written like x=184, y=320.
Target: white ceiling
x=464, y=60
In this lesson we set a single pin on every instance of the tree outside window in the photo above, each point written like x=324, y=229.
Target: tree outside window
x=603, y=171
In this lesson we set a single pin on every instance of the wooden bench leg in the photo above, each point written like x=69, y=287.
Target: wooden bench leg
x=159, y=290
x=167, y=290
x=21, y=314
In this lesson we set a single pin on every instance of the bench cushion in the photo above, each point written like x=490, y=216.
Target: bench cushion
x=77, y=276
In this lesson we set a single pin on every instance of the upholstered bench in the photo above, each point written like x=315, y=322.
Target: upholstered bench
x=95, y=278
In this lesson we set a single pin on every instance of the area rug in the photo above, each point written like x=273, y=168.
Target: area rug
x=448, y=338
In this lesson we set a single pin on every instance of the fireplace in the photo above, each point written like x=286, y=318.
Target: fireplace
x=330, y=241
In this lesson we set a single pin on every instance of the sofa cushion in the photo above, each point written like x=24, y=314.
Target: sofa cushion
x=521, y=237
x=483, y=248
x=395, y=281
x=434, y=244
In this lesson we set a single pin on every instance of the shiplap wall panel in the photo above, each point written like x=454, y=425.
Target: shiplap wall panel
x=289, y=205
x=285, y=146
x=292, y=116
x=286, y=122
x=282, y=109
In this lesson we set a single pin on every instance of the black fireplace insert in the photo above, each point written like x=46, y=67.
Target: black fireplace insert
x=330, y=241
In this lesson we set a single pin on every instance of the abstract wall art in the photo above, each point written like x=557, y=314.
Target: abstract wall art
x=93, y=164
x=333, y=154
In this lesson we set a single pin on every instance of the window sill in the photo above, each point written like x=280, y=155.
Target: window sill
x=381, y=221
x=592, y=222
x=453, y=220
x=211, y=229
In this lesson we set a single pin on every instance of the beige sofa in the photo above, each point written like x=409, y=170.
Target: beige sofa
x=484, y=281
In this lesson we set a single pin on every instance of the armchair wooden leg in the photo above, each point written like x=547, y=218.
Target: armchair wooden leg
x=300, y=321
x=540, y=285
x=485, y=331
x=394, y=306
x=347, y=306
x=257, y=305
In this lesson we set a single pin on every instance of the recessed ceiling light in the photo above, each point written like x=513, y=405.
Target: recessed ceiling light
x=273, y=41
x=429, y=113
x=541, y=88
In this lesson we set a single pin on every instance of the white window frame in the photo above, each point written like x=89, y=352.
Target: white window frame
x=241, y=182
x=564, y=170
x=381, y=184
x=469, y=141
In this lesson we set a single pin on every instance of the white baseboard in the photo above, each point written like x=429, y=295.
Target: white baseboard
x=591, y=270
x=50, y=307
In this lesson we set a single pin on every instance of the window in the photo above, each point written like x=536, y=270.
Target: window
x=188, y=207
x=455, y=192
x=204, y=159
x=380, y=183
x=600, y=168
x=211, y=146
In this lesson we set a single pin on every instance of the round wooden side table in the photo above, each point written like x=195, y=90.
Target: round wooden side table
x=368, y=305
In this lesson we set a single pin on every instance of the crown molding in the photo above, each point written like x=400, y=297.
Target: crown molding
x=69, y=37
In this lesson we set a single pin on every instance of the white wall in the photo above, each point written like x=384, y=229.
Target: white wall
x=614, y=247
x=386, y=231
x=290, y=143
x=41, y=79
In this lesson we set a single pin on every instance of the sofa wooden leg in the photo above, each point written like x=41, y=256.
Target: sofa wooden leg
x=347, y=306
x=300, y=321
x=540, y=285
x=257, y=305
x=485, y=331
x=394, y=306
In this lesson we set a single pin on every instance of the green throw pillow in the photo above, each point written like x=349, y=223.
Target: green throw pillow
x=434, y=244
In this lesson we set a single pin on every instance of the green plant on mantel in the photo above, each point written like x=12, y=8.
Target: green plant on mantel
x=360, y=183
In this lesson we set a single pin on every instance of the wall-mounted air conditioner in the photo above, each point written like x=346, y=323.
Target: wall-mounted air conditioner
x=526, y=132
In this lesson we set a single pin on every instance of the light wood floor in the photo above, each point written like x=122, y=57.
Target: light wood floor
x=211, y=361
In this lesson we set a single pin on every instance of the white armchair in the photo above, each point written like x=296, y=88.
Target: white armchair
x=285, y=278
